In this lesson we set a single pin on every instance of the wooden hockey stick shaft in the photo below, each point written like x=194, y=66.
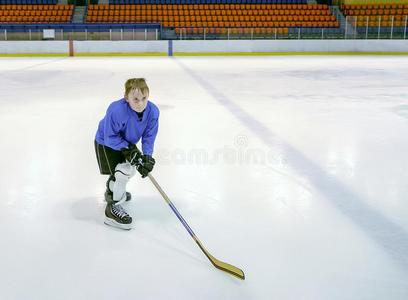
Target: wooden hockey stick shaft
x=217, y=263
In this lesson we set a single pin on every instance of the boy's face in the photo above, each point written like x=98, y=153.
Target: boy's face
x=137, y=101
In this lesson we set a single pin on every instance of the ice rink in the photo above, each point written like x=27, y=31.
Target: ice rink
x=293, y=168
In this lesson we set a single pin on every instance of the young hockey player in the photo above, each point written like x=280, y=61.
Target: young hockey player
x=126, y=121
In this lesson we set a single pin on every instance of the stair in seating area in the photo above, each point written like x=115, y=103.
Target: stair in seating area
x=79, y=14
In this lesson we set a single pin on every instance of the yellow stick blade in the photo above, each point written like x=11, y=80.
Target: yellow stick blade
x=237, y=272
x=227, y=267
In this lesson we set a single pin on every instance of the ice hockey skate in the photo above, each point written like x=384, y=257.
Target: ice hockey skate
x=116, y=216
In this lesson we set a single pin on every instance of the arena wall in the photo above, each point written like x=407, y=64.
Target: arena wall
x=195, y=47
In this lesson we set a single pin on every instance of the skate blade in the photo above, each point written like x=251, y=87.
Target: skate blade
x=115, y=224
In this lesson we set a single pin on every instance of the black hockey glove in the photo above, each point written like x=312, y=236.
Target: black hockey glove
x=145, y=165
x=132, y=154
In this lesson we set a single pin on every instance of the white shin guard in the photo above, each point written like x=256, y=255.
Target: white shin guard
x=123, y=172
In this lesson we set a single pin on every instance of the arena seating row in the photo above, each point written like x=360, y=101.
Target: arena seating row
x=40, y=7
x=376, y=21
x=376, y=15
x=267, y=16
x=375, y=12
x=262, y=31
x=208, y=6
x=28, y=2
x=35, y=13
x=234, y=24
x=232, y=31
x=79, y=27
x=374, y=6
x=216, y=15
x=206, y=1
x=277, y=15
x=41, y=13
x=34, y=20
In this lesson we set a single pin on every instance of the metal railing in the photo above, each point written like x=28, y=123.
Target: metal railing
x=354, y=27
x=82, y=34
x=376, y=27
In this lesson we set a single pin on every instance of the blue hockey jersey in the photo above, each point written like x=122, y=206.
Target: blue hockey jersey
x=121, y=126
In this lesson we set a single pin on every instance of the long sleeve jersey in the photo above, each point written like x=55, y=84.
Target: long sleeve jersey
x=121, y=126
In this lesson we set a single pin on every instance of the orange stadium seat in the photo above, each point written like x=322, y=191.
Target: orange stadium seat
x=216, y=15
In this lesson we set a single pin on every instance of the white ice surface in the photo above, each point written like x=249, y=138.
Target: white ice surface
x=302, y=180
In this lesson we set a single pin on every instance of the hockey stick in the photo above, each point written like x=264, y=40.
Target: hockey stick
x=217, y=263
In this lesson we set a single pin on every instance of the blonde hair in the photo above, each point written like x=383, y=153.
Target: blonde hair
x=136, y=83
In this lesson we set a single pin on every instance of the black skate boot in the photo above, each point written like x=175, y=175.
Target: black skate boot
x=109, y=193
x=116, y=216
